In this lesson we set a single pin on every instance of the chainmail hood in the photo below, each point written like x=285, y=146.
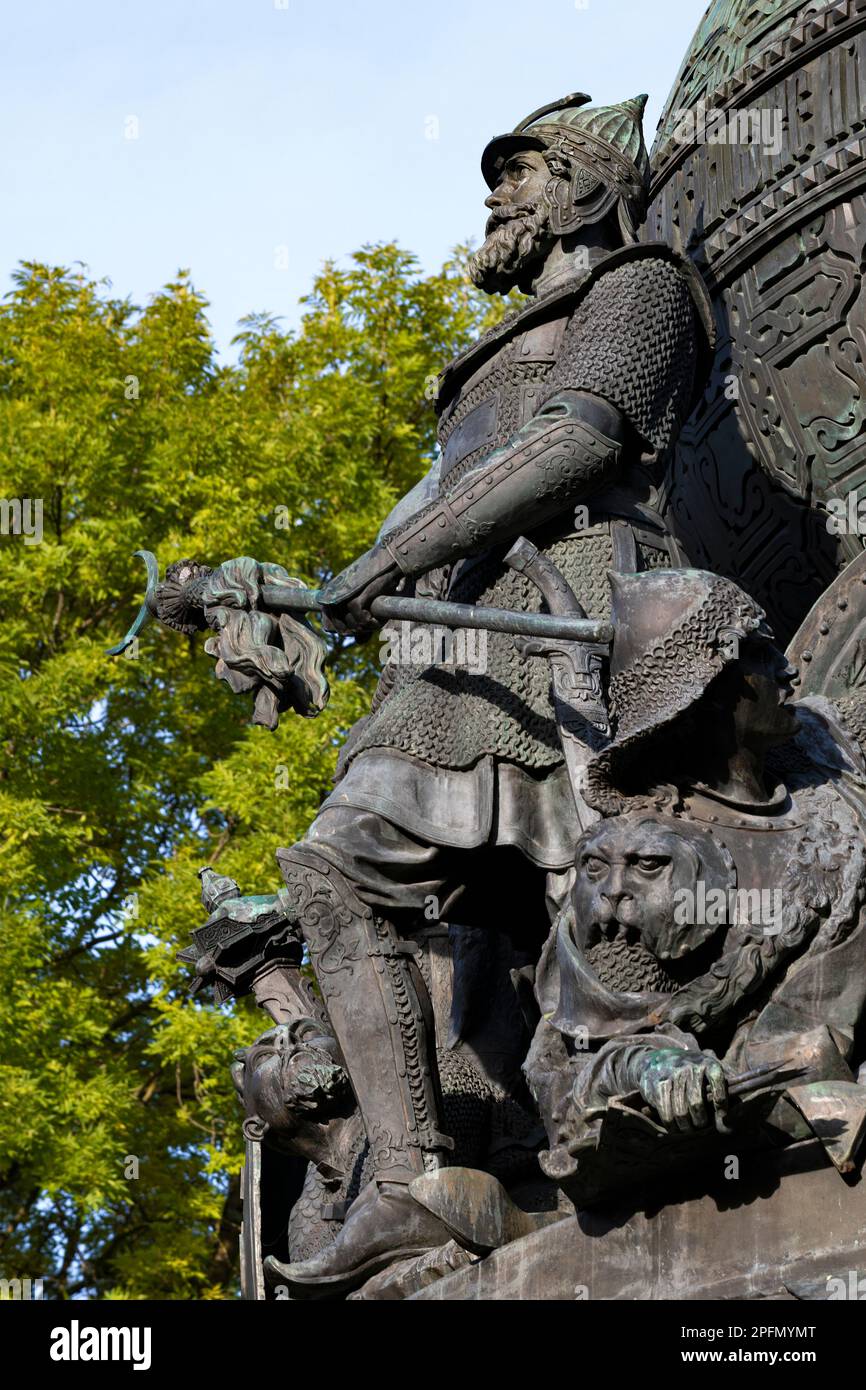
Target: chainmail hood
x=675, y=631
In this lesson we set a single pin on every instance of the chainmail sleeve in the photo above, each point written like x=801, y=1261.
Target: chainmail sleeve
x=633, y=341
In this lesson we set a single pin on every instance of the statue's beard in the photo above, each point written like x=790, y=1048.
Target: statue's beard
x=518, y=240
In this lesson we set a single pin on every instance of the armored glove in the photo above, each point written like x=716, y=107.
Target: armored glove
x=346, y=600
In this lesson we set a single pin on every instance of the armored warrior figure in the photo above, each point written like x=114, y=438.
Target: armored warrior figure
x=572, y=401
x=716, y=930
x=555, y=426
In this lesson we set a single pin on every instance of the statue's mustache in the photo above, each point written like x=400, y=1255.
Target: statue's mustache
x=509, y=212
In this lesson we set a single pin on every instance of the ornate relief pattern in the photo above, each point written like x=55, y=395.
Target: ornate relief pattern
x=780, y=238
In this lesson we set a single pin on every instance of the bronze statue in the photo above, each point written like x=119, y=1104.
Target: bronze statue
x=557, y=425
x=648, y=773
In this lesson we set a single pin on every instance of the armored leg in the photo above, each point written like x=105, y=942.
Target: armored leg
x=378, y=1007
x=380, y=1013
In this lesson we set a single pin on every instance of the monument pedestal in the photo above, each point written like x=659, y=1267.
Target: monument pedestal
x=790, y=1227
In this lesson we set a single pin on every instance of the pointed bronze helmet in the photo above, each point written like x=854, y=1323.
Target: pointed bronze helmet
x=596, y=153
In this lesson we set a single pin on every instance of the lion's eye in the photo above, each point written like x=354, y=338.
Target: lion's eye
x=650, y=864
x=594, y=868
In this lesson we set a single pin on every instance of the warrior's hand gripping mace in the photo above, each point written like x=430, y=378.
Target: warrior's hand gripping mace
x=289, y=596
x=264, y=645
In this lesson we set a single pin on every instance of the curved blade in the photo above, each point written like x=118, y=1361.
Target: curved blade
x=147, y=609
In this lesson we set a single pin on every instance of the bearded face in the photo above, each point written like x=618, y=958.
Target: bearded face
x=518, y=242
x=633, y=876
x=518, y=231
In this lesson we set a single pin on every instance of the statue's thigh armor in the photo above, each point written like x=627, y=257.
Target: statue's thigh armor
x=400, y=876
x=391, y=870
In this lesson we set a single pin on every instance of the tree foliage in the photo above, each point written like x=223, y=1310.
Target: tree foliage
x=119, y=778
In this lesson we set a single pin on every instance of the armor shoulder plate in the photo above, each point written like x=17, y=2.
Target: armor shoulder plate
x=637, y=339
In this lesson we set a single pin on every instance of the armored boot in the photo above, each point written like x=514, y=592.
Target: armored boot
x=380, y=1013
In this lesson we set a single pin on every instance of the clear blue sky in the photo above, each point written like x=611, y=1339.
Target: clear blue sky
x=277, y=133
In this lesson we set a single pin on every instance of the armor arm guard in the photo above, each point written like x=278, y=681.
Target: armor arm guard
x=566, y=453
